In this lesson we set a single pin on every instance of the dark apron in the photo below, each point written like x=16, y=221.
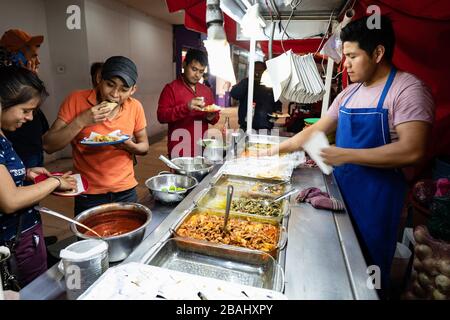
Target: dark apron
x=374, y=196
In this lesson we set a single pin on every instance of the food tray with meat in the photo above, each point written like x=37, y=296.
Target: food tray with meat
x=244, y=204
x=231, y=264
x=253, y=233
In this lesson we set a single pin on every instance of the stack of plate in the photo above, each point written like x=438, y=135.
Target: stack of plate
x=296, y=78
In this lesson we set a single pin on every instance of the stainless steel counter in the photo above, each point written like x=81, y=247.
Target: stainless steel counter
x=323, y=256
x=322, y=259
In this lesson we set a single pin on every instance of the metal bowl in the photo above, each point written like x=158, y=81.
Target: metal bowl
x=197, y=167
x=156, y=183
x=213, y=150
x=120, y=246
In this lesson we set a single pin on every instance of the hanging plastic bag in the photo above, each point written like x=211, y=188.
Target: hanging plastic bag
x=333, y=48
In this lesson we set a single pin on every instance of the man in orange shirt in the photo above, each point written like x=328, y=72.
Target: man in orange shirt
x=108, y=169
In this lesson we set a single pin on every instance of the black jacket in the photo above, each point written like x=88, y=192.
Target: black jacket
x=27, y=140
x=263, y=97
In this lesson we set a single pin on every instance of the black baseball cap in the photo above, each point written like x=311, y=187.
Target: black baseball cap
x=121, y=67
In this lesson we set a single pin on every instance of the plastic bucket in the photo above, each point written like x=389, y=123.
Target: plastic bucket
x=82, y=263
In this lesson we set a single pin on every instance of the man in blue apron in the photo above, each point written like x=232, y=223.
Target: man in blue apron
x=382, y=123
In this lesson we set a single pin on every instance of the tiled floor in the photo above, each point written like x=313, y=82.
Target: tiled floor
x=147, y=166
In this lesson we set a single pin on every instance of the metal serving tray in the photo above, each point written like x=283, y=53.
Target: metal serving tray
x=282, y=233
x=235, y=265
x=215, y=199
x=244, y=185
x=264, y=139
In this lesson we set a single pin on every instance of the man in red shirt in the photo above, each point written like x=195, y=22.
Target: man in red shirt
x=181, y=105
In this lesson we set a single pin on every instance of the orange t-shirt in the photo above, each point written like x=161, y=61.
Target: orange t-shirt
x=106, y=168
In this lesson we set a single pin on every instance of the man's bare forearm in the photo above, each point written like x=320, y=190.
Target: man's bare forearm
x=57, y=139
x=295, y=143
x=392, y=155
x=139, y=149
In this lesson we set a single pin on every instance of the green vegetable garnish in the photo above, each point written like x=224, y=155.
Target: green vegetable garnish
x=173, y=189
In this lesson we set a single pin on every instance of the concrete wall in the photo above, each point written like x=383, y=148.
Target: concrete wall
x=69, y=55
x=30, y=16
x=115, y=29
x=108, y=28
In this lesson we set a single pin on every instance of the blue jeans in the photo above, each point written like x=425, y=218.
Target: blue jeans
x=86, y=201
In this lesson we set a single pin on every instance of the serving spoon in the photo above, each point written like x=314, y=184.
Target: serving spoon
x=230, y=190
x=284, y=195
x=58, y=215
x=266, y=188
x=169, y=163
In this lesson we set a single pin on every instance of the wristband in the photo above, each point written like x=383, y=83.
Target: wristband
x=59, y=180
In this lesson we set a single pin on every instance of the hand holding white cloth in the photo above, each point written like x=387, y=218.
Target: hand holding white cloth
x=313, y=146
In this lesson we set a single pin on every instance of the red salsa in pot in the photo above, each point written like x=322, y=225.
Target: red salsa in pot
x=113, y=223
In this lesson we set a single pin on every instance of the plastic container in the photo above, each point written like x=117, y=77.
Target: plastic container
x=310, y=121
x=82, y=263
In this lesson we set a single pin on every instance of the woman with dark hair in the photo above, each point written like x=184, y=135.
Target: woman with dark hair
x=21, y=92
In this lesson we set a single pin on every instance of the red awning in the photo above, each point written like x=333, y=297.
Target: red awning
x=423, y=47
x=177, y=5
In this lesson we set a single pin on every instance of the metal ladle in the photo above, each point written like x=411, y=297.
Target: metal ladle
x=284, y=195
x=169, y=163
x=275, y=185
x=58, y=215
x=230, y=190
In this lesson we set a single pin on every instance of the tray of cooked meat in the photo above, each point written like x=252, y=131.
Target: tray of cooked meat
x=255, y=233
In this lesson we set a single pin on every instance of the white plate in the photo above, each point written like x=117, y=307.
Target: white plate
x=88, y=142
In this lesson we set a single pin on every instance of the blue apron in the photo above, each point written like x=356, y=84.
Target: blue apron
x=374, y=196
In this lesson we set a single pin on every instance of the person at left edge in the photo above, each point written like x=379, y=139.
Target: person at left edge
x=21, y=91
x=23, y=51
x=181, y=102
x=108, y=169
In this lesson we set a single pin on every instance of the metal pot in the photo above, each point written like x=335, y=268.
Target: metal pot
x=120, y=246
x=197, y=167
x=156, y=183
x=213, y=150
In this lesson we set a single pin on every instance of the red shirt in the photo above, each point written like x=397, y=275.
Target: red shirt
x=173, y=109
